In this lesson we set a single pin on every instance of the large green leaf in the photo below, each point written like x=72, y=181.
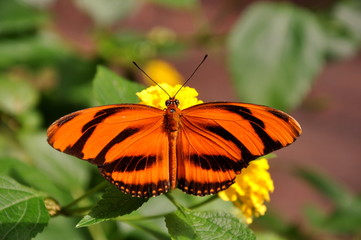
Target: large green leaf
x=275, y=52
x=187, y=224
x=114, y=203
x=22, y=211
x=110, y=88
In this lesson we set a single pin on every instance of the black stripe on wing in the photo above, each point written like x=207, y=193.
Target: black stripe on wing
x=201, y=188
x=227, y=136
x=101, y=115
x=66, y=119
x=145, y=190
x=77, y=148
x=216, y=162
x=123, y=135
x=129, y=163
x=258, y=126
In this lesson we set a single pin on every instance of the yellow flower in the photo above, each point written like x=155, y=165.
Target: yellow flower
x=162, y=72
x=251, y=190
x=156, y=97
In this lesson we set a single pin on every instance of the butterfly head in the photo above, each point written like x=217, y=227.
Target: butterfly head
x=172, y=103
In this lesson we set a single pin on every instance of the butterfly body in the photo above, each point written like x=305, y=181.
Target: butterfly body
x=147, y=151
x=171, y=124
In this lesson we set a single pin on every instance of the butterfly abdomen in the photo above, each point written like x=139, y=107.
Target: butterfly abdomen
x=172, y=126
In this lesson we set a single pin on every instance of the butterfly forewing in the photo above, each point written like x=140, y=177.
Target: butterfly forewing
x=128, y=142
x=217, y=140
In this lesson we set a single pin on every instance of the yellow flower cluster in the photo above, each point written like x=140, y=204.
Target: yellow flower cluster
x=156, y=97
x=251, y=190
x=169, y=79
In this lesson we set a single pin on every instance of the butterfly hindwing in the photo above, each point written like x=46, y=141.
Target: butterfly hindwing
x=217, y=140
x=128, y=142
x=141, y=167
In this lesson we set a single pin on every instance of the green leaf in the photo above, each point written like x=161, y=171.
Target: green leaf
x=22, y=210
x=275, y=52
x=187, y=224
x=110, y=88
x=114, y=203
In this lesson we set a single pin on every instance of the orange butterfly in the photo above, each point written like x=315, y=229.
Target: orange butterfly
x=146, y=151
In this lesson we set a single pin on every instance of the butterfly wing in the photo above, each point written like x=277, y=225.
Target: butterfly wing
x=217, y=140
x=128, y=142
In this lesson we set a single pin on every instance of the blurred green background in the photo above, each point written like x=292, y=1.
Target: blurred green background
x=299, y=56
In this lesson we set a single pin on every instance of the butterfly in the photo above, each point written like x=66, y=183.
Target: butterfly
x=146, y=151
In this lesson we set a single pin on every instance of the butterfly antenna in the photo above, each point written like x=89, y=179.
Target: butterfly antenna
x=151, y=78
x=195, y=70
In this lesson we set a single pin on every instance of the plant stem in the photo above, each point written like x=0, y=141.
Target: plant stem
x=140, y=218
x=88, y=193
x=77, y=211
